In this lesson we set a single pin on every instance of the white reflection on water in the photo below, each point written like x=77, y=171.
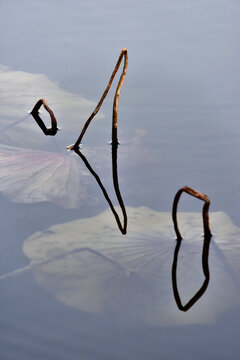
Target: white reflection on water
x=87, y=264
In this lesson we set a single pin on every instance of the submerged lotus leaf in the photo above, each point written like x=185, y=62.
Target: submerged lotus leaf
x=89, y=265
x=20, y=91
x=31, y=176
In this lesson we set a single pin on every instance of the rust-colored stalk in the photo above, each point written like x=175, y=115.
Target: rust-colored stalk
x=35, y=113
x=53, y=119
x=115, y=102
x=116, y=99
x=198, y=195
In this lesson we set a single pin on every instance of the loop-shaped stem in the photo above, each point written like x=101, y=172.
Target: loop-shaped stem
x=35, y=113
x=205, y=250
x=205, y=209
x=115, y=102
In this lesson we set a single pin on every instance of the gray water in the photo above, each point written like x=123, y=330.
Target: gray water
x=178, y=125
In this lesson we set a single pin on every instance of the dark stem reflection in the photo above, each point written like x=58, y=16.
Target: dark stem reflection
x=205, y=250
x=205, y=267
x=122, y=228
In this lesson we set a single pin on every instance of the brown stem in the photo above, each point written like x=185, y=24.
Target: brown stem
x=53, y=119
x=115, y=103
x=116, y=100
x=35, y=113
x=199, y=195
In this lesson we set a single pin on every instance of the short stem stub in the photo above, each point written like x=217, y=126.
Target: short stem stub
x=35, y=113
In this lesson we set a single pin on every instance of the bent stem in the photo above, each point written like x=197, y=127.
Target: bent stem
x=198, y=195
x=115, y=102
x=53, y=119
x=116, y=99
x=205, y=251
x=35, y=113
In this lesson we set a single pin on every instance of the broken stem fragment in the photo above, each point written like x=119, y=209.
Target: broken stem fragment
x=35, y=113
x=199, y=195
x=115, y=102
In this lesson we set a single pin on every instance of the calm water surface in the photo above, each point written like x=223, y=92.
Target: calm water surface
x=178, y=125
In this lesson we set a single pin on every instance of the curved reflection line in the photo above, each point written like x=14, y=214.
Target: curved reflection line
x=205, y=267
x=122, y=228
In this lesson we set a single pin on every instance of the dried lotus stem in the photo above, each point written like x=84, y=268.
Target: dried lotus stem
x=35, y=113
x=198, y=195
x=115, y=102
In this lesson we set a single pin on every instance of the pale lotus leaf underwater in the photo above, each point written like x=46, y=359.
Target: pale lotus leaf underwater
x=37, y=168
x=87, y=264
x=20, y=91
x=31, y=176
x=71, y=284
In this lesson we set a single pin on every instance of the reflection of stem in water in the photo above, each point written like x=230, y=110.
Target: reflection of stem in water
x=123, y=228
x=205, y=251
x=51, y=131
x=203, y=288
x=205, y=209
x=116, y=185
x=115, y=102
